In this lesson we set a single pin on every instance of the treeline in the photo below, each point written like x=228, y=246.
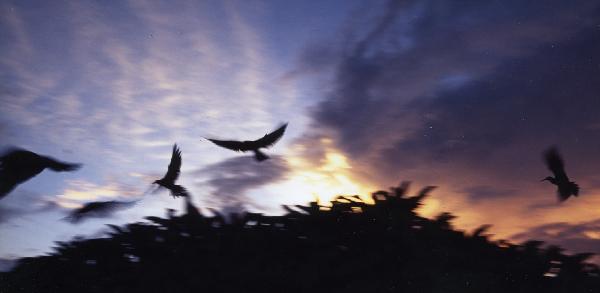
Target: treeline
x=350, y=246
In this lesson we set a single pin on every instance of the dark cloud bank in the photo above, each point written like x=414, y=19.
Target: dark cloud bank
x=450, y=89
x=576, y=237
x=232, y=178
x=471, y=80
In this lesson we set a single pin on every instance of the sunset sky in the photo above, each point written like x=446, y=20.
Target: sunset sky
x=464, y=95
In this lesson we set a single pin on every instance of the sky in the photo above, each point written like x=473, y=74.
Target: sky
x=463, y=95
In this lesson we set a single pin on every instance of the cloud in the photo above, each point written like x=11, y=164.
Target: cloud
x=484, y=192
x=79, y=192
x=467, y=97
x=7, y=213
x=376, y=82
x=400, y=101
x=7, y=264
x=139, y=76
x=231, y=179
x=577, y=237
x=22, y=202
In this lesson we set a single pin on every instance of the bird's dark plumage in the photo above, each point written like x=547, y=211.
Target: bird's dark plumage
x=555, y=163
x=253, y=145
x=97, y=209
x=168, y=181
x=19, y=165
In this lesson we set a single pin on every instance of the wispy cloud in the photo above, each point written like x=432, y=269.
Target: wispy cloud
x=577, y=237
x=230, y=180
x=78, y=192
x=22, y=203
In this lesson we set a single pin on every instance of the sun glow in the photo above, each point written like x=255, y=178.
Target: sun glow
x=80, y=191
x=323, y=181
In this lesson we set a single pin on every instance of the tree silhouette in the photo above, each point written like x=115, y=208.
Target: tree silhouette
x=349, y=246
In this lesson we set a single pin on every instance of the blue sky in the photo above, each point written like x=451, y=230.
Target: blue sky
x=464, y=95
x=113, y=85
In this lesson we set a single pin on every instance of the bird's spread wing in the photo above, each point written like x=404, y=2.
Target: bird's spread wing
x=97, y=209
x=61, y=166
x=238, y=146
x=174, y=166
x=271, y=138
x=555, y=164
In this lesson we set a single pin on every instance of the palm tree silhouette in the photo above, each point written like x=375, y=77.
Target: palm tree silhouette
x=347, y=246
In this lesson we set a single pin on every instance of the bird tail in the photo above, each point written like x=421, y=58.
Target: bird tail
x=260, y=156
x=574, y=188
x=61, y=167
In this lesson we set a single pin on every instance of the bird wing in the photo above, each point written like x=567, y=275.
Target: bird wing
x=174, y=166
x=555, y=164
x=97, y=209
x=60, y=166
x=238, y=146
x=270, y=138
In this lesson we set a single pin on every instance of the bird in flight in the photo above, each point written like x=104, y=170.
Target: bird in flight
x=19, y=165
x=97, y=209
x=253, y=145
x=555, y=163
x=168, y=181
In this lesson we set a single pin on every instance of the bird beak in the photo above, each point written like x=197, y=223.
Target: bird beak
x=543, y=179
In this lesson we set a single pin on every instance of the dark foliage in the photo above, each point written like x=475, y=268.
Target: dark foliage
x=348, y=247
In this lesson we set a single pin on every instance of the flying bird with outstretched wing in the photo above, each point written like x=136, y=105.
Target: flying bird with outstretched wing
x=253, y=145
x=19, y=165
x=168, y=181
x=566, y=188
x=97, y=209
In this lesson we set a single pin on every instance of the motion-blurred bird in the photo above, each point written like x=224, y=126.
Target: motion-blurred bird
x=19, y=165
x=168, y=181
x=97, y=209
x=555, y=163
x=253, y=145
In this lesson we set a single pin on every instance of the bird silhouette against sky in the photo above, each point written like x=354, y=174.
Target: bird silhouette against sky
x=19, y=165
x=168, y=181
x=555, y=163
x=97, y=209
x=253, y=145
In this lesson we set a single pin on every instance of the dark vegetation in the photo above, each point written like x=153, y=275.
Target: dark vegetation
x=348, y=247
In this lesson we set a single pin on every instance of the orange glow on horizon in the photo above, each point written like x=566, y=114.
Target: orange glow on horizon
x=325, y=180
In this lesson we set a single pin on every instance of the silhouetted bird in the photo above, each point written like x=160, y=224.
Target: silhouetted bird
x=555, y=163
x=19, y=165
x=97, y=209
x=168, y=181
x=253, y=145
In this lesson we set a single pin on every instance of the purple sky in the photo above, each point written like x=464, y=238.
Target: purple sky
x=464, y=95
